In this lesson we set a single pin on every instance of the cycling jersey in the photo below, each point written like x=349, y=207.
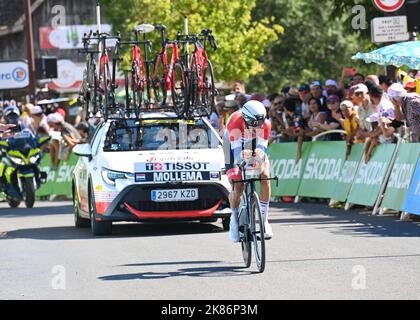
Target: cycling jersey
x=238, y=137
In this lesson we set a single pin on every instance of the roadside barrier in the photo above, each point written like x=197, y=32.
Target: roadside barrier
x=58, y=181
x=385, y=182
x=389, y=181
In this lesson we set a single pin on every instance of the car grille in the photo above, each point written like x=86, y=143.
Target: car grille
x=208, y=197
x=201, y=204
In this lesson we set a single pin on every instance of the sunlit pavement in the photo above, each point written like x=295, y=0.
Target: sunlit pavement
x=316, y=253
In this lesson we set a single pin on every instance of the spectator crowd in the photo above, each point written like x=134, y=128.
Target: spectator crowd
x=48, y=120
x=356, y=108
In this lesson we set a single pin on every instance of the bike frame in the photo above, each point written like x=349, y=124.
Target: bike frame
x=167, y=67
x=199, y=57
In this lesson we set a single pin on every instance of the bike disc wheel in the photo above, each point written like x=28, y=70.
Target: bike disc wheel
x=194, y=97
x=257, y=230
x=209, y=92
x=127, y=94
x=93, y=90
x=179, y=89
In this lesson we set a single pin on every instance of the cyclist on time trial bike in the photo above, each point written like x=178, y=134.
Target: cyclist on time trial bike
x=247, y=130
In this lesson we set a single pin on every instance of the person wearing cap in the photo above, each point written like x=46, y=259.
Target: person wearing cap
x=361, y=94
x=39, y=120
x=407, y=107
x=331, y=87
x=64, y=138
x=317, y=93
x=385, y=127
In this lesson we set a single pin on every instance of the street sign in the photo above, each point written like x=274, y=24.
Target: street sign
x=390, y=29
x=14, y=74
x=389, y=5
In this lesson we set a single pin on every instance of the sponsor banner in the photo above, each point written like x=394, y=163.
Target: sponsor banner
x=59, y=181
x=283, y=165
x=176, y=171
x=322, y=169
x=68, y=37
x=14, y=74
x=348, y=172
x=370, y=176
x=412, y=201
x=401, y=176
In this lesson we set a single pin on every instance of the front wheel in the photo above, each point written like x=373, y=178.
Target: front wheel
x=246, y=240
x=29, y=191
x=13, y=203
x=257, y=231
x=99, y=228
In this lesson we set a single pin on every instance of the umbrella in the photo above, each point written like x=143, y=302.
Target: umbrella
x=399, y=54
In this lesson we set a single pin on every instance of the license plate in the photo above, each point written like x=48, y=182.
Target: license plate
x=174, y=195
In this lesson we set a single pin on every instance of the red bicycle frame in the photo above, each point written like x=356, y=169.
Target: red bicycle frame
x=140, y=70
x=199, y=58
x=168, y=68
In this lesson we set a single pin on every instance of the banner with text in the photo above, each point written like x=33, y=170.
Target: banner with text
x=283, y=164
x=371, y=176
x=412, y=201
x=348, y=172
x=322, y=169
x=401, y=175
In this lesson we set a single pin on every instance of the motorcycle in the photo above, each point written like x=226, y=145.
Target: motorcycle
x=20, y=176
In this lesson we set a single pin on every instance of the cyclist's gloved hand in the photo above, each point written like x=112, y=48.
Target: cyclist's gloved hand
x=234, y=174
x=246, y=155
x=259, y=156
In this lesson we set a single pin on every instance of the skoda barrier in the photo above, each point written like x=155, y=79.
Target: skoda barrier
x=390, y=180
x=387, y=180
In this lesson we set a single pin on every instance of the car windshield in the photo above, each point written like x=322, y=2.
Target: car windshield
x=128, y=135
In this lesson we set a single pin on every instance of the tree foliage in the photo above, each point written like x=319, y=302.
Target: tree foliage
x=241, y=39
x=317, y=43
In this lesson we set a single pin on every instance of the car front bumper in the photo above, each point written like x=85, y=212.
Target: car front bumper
x=134, y=203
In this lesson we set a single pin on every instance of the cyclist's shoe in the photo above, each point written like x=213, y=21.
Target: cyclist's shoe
x=234, y=230
x=268, y=234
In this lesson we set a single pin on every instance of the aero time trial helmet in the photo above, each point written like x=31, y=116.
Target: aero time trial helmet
x=254, y=113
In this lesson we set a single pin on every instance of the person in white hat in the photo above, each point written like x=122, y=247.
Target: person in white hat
x=39, y=120
x=407, y=107
x=362, y=99
x=64, y=138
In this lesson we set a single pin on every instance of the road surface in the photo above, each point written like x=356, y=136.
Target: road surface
x=316, y=253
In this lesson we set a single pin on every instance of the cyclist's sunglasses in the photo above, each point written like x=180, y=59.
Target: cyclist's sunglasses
x=256, y=123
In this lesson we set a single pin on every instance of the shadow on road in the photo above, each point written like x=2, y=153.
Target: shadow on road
x=36, y=211
x=353, y=223
x=217, y=271
x=119, y=231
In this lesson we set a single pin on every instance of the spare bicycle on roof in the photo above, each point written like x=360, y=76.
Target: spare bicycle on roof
x=173, y=81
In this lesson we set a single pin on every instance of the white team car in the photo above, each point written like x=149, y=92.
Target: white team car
x=158, y=167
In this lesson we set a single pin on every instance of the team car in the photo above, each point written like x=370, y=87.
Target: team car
x=156, y=168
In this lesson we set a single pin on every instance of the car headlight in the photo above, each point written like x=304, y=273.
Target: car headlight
x=34, y=159
x=18, y=161
x=110, y=176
